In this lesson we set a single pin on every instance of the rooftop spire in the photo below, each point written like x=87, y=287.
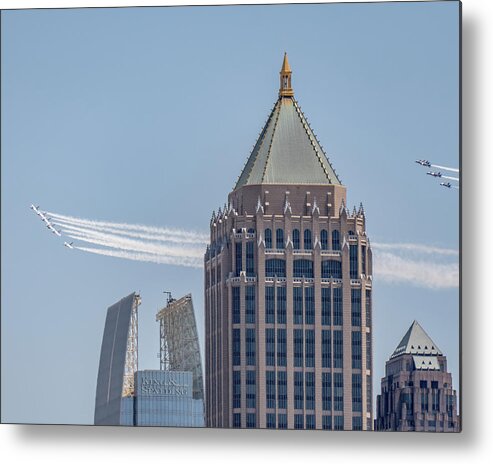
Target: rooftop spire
x=285, y=89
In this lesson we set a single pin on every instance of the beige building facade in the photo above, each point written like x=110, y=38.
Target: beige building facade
x=288, y=289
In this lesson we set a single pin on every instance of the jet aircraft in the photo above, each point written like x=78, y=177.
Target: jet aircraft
x=423, y=163
x=434, y=174
x=69, y=245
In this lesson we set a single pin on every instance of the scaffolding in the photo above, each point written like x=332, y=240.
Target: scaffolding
x=131, y=355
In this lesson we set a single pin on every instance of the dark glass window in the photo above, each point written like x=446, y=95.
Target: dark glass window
x=236, y=389
x=424, y=401
x=281, y=347
x=338, y=306
x=326, y=305
x=282, y=421
x=281, y=305
x=297, y=305
x=331, y=268
x=282, y=390
x=250, y=346
x=309, y=348
x=368, y=308
x=236, y=347
x=250, y=259
x=357, y=423
x=275, y=267
x=338, y=391
x=296, y=239
x=271, y=420
x=251, y=389
x=369, y=397
x=270, y=344
x=251, y=420
x=268, y=238
x=368, y=351
x=303, y=268
x=355, y=307
x=353, y=261
x=310, y=421
x=326, y=391
x=327, y=422
x=251, y=230
x=269, y=305
x=298, y=390
x=310, y=390
x=307, y=239
x=336, y=244
x=324, y=239
x=434, y=384
x=339, y=422
x=298, y=347
x=326, y=348
x=338, y=348
x=271, y=389
x=435, y=399
x=236, y=304
x=356, y=392
x=238, y=258
x=237, y=420
x=363, y=259
x=309, y=305
x=423, y=384
x=250, y=305
x=298, y=421
x=279, y=239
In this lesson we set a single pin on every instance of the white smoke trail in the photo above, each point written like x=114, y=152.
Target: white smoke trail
x=445, y=168
x=144, y=257
x=415, y=247
x=199, y=237
x=451, y=178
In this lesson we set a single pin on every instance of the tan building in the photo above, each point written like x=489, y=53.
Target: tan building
x=417, y=393
x=288, y=284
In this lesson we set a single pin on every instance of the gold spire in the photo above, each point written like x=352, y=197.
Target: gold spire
x=285, y=89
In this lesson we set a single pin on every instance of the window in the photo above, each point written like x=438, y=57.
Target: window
x=309, y=305
x=271, y=421
x=435, y=399
x=338, y=348
x=236, y=389
x=250, y=259
x=237, y=420
x=236, y=305
x=236, y=347
x=269, y=305
x=298, y=347
x=279, y=239
x=331, y=269
x=251, y=389
x=353, y=261
x=434, y=384
x=298, y=421
x=297, y=305
x=275, y=268
x=338, y=306
x=281, y=305
x=424, y=401
x=368, y=308
x=250, y=346
x=251, y=420
x=326, y=351
x=338, y=391
x=357, y=423
x=356, y=350
x=250, y=305
x=368, y=351
x=356, y=307
x=309, y=348
x=324, y=239
x=363, y=259
x=326, y=305
x=307, y=239
x=356, y=392
x=251, y=230
x=296, y=239
x=268, y=238
x=423, y=384
x=281, y=347
x=310, y=390
x=326, y=391
x=310, y=421
x=336, y=244
x=338, y=423
x=298, y=390
x=270, y=390
x=303, y=268
x=270, y=343
x=282, y=390
x=282, y=421
x=450, y=405
x=238, y=258
x=327, y=422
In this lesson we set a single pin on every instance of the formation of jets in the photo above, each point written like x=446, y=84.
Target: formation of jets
x=439, y=174
x=48, y=223
x=424, y=163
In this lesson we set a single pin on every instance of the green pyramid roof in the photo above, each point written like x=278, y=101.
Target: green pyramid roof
x=416, y=342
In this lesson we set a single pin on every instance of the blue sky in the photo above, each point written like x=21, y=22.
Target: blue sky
x=147, y=116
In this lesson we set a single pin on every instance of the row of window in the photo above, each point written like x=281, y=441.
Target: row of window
x=279, y=241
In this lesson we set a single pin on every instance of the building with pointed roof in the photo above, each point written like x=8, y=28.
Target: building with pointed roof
x=417, y=393
x=288, y=285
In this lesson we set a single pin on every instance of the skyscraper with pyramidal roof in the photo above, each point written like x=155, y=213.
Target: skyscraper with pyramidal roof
x=288, y=289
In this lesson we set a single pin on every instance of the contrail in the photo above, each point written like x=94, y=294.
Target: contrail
x=451, y=178
x=200, y=237
x=415, y=247
x=144, y=257
x=445, y=167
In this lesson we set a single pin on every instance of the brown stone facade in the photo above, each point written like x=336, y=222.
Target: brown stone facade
x=288, y=290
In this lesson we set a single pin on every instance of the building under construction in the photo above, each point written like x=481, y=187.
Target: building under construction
x=171, y=396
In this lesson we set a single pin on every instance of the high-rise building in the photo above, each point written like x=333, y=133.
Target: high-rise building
x=417, y=393
x=172, y=396
x=288, y=285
